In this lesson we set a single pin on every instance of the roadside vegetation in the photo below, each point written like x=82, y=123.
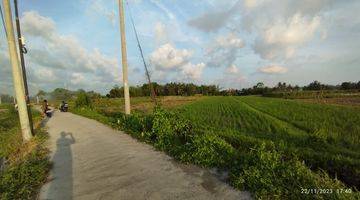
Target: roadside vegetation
x=275, y=155
x=24, y=166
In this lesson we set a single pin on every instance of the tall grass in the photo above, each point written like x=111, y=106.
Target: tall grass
x=27, y=164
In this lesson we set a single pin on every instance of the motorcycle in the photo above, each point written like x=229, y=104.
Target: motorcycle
x=64, y=107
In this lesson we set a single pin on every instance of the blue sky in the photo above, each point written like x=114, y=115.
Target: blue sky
x=233, y=43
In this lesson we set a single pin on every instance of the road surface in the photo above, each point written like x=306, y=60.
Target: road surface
x=93, y=161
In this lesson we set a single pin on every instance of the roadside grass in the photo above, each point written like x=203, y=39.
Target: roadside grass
x=91, y=114
x=26, y=164
x=263, y=154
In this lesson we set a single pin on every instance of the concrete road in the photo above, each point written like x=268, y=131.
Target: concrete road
x=93, y=161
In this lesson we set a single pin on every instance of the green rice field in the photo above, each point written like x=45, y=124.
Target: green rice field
x=323, y=136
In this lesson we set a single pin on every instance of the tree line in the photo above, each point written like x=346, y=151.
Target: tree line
x=59, y=94
x=169, y=89
x=5, y=98
x=261, y=89
x=189, y=89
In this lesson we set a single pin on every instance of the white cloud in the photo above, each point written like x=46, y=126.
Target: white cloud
x=161, y=33
x=170, y=28
x=162, y=7
x=111, y=17
x=36, y=25
x=232, y=69
x=297, y=30
x=232, y=78
x=169, y=60
x=230, y=41
x=250, y=4
x=280, y=27
x=210, y=22
x=168, y=57
x=77, y=78
x=45, y=74
x=193, y=71
x=224, y=51
x=64, y=54
x=214, y=20
x=273, y=69
x=99, y=7
x=282, y=38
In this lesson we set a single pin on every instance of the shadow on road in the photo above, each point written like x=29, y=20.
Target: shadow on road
x=61, y=187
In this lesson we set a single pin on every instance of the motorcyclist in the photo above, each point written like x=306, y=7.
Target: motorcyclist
x=64, y=106
x=45, y=108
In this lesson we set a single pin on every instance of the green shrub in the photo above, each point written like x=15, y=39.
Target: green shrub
x=133, y=124
x=212, y=151
x=83, y=101
x=139, y=126
x=170, y=131
x=269, y=175
x=147, y=134
x=8, y=118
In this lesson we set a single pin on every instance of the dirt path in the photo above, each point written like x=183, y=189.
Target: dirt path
x=93, y=161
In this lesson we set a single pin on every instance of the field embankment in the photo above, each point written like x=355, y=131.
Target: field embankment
x=138, y=104
x=142, y=104
x=346, y=101
x=332, y=97
x=271, y=147
x=25, y=165
x=310, y=94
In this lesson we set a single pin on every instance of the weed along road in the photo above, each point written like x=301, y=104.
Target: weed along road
x=93, y=161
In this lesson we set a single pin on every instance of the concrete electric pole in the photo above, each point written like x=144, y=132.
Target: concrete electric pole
x=124, y=58
x=17, y=74
x=22, y=51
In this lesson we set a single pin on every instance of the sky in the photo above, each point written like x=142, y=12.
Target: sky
x=234, y=43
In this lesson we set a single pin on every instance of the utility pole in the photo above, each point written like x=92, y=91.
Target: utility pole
x=22, y=50
x=124, y=58
x=17, y=75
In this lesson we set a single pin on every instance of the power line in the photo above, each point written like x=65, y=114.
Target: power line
x=153, y=95
x=3, y=21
